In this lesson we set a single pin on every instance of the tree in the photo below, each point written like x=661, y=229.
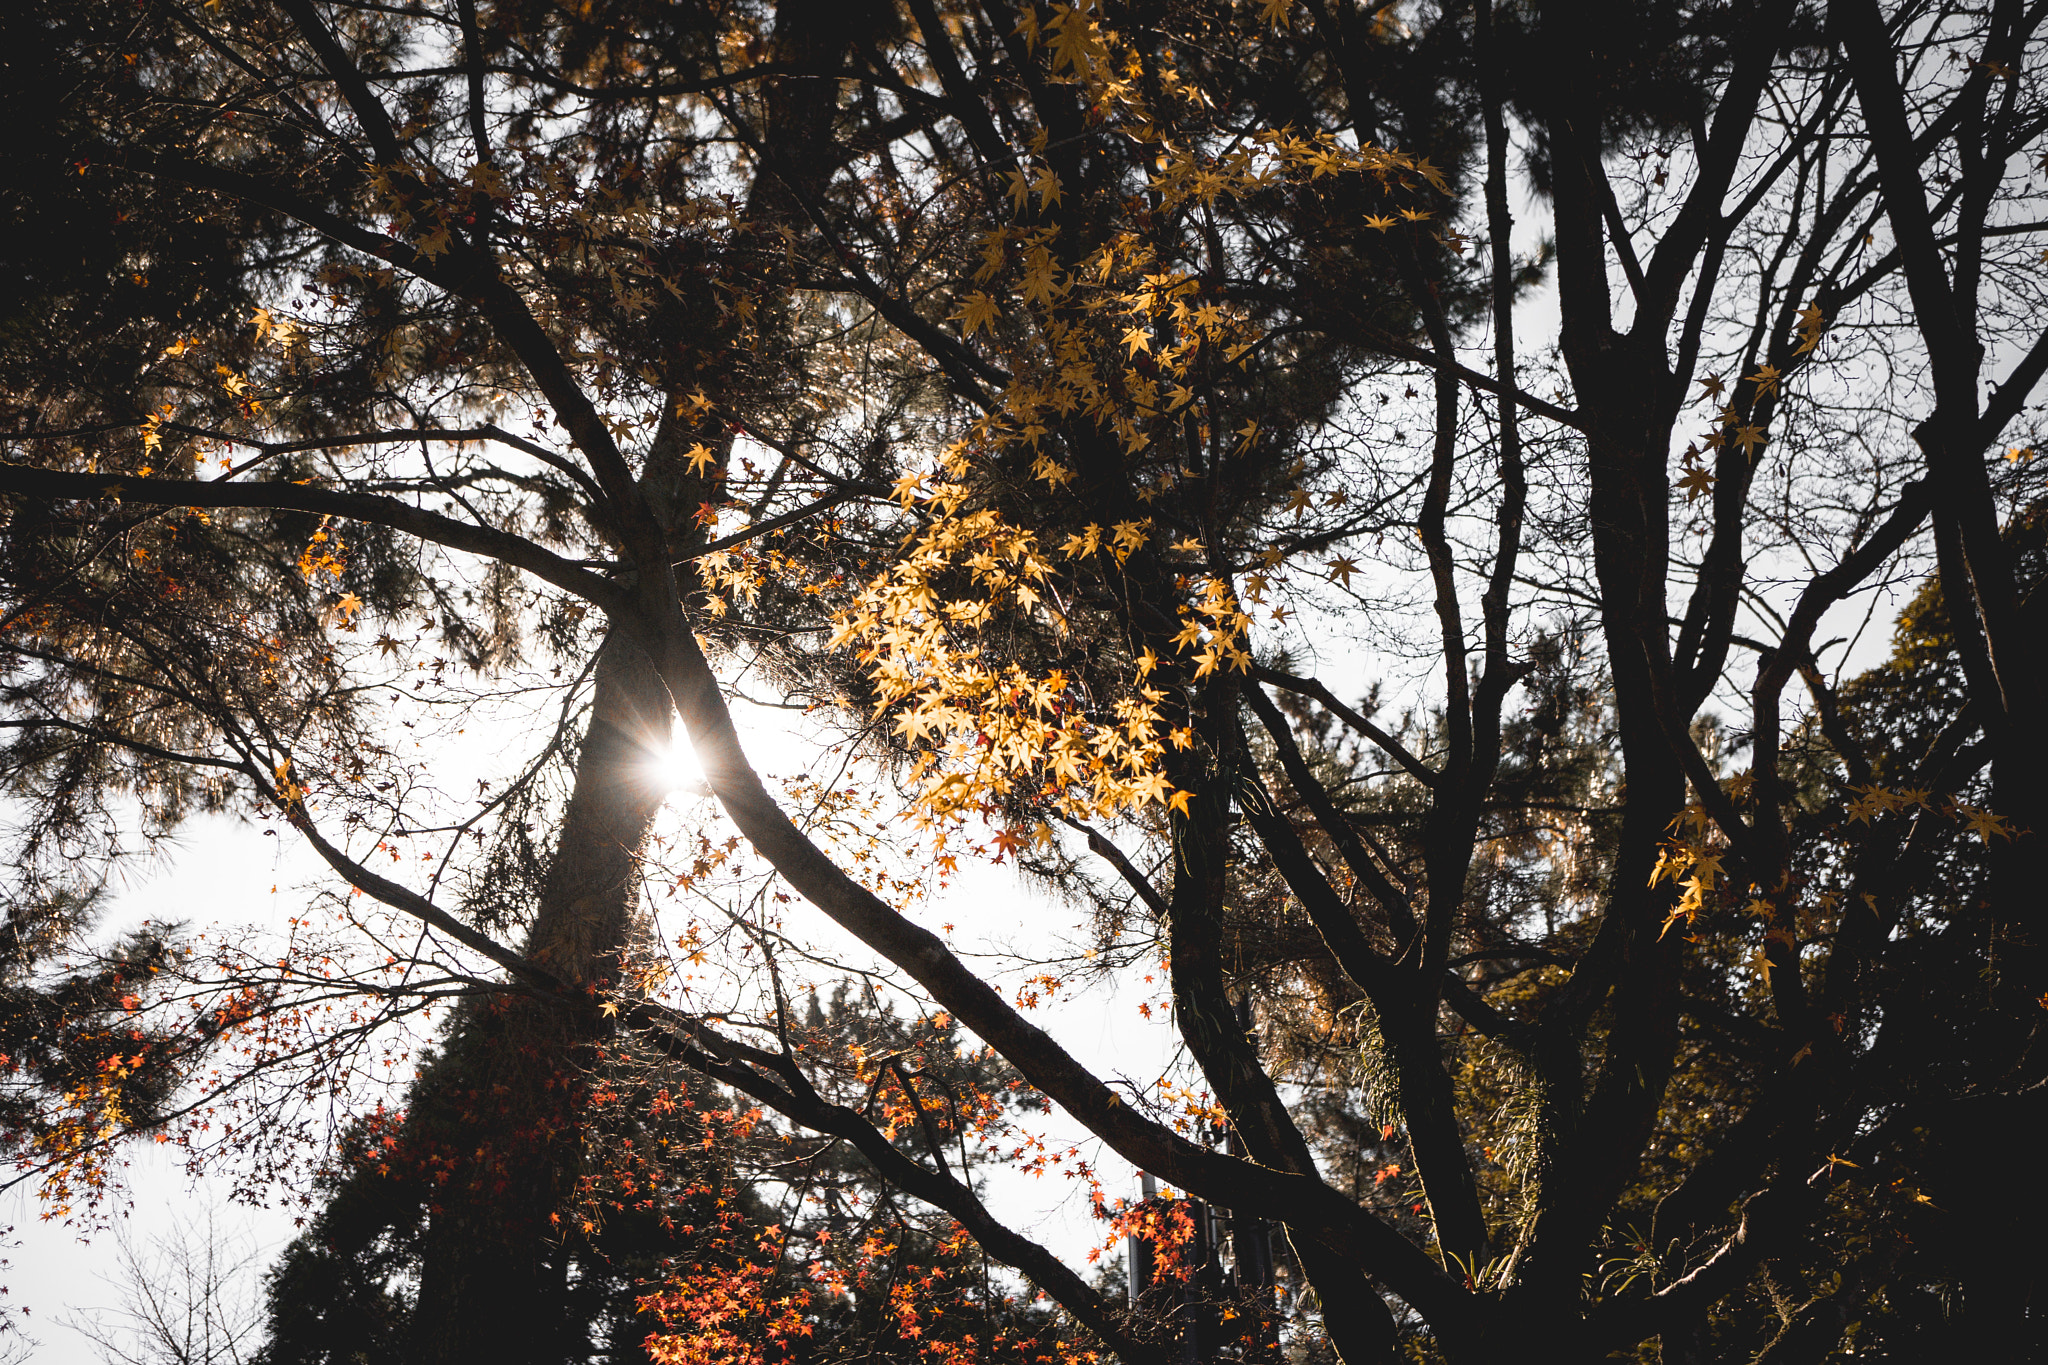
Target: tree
x=1032, y=353
x=186, y=1299
x=688, y=1218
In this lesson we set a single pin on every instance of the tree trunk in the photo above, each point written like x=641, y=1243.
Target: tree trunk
x=500, y=1112
x=509, y=1091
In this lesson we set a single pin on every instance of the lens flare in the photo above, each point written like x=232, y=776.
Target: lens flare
x=678, y=771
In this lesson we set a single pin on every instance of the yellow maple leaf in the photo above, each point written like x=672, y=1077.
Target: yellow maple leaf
x=1984, y=824
x=1047, y=183
x=1811, y=323
x=1040, y=283
x=1049, y=469
x=1074, y=38
x=435, y=241
x=976, y=311
x=1151, y=787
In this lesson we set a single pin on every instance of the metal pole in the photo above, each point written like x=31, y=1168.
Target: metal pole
x=1139, y=1258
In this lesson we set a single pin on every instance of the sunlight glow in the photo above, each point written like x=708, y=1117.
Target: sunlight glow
x=679, y=772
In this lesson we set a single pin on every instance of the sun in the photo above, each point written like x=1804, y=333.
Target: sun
x=678, y=771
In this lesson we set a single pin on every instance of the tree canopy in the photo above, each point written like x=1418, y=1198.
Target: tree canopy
x=1389, y=512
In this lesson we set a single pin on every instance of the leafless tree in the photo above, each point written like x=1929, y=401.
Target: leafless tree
x=188, y=1296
